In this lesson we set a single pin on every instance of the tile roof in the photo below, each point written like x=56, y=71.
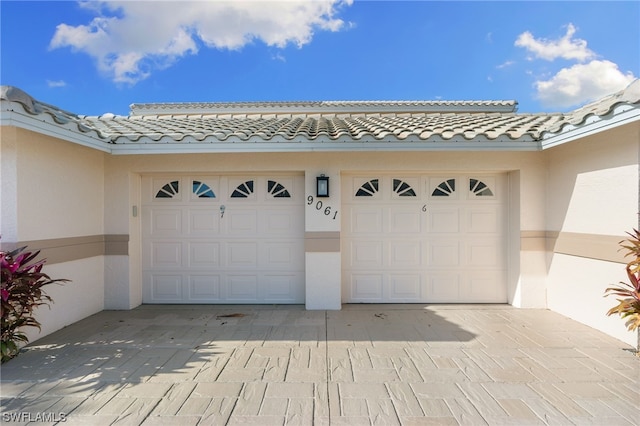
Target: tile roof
x=320, y=107
x=279, y=128
x=337, y=121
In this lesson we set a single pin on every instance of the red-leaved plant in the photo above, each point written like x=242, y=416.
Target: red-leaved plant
x=628, y=294
x=20, y=292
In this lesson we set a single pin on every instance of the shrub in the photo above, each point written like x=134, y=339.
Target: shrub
x=628, y=294
x=21, y=292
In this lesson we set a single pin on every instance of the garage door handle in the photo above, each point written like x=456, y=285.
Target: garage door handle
x=222, y=208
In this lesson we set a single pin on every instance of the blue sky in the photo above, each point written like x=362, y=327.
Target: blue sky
x=96, y=57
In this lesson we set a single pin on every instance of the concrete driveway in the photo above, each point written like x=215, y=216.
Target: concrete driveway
x=365, y=364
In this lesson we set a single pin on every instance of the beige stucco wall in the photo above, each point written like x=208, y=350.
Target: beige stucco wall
x=59, y=188
x=52, y=194
x=592, y=194
x=52, y=189
x=122, y=186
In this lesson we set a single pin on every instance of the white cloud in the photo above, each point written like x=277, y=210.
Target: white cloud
x=565, y=47
x=585, y=81
x=56, y=83
x=582, y=83
x=130, y=39
x=505, y=64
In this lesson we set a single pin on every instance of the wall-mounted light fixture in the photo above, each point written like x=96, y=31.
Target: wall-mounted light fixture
x=322, y=186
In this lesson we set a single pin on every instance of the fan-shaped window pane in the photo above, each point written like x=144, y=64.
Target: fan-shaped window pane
x=277, y=190
x=445, y=189
x=243, y=190
x=169, y=190
x=479, y=188
x=368, y=189
x=202, y=190
x=403, y=189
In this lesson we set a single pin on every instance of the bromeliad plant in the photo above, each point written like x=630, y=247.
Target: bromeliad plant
x=21, y=292
x=628, y=294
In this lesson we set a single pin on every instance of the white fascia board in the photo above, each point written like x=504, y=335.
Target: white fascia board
x=363, y=146
x=592, y=126
x=42, y=126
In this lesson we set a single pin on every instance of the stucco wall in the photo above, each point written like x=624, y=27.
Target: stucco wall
x=592, y=194
x=52, y=195
x=122, y=187
x=59, y=188
x=53, y=189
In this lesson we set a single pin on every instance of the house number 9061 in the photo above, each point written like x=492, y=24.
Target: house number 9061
x=319, y=205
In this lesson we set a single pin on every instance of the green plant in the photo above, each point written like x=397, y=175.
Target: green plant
x=628, y=294
x=21, y=292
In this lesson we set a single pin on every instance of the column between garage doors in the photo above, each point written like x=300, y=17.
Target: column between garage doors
x=323, y=217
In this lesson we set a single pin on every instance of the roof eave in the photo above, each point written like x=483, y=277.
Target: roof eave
x=620, y=115
x=457, y=145
x=13, y=114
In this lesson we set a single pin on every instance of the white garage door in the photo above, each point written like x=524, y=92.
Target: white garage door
x=223, y=239
x=422, y=238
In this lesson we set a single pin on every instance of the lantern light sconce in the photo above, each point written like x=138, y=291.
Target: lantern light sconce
x=322, y=186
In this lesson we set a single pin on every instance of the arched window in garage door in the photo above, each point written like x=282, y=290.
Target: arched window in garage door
x=244, y=190
x=170, y=190
x=479, y=188
x=445, y=189
x=403, y=189
x=202, y=190
x=277, y=189
x=368, y=188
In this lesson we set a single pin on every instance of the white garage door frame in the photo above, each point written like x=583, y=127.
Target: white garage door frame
x=425, y=238
x=228, y=239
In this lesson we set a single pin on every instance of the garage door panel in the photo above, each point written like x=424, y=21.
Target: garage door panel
x=242, y=254
x=282, y=288
x=444, y=220
x=280, y=221
x=204, y=288
x=405, y=221
x=484, y=253
x=480, y=286
x=444, y=254
x=367, y=287
x=204, y=255
x=204, y=222
x=165, y=222
x=166, y=254
x=165, y=287
x=282, y=255
x=366, y=254
x=444, y=287
x=405, y=287
x=405, y=253
x=241, y=222
x=364, y=221
x=484, y=220
x=242, y=287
